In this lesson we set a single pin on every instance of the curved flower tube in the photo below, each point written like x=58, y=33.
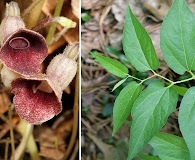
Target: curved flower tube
x=24, y=51
x=36, y=99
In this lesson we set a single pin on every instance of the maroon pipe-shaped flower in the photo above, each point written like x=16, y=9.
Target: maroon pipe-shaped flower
x=24, y=51
x=37, y=98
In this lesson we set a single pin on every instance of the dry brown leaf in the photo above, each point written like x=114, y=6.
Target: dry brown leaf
x=51, y=153
x=76, y=8
x=107, y=150
x=52, y=145
x=115, y=39
x=34, y=15
x=90, y=38
x=4, y=103
x=72, y=35
x=6, y=126
x=66, y=126
x=56, y=45
x=157, y=8
x=49, y=6
x=2, y=12
x=88, y=4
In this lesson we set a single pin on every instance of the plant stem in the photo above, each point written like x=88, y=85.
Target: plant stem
x=4, y=118
x=56, y=146
x=28, y=128
x=6, y=150
x=134, y=77
x=75, y=120
x=185, y=80
x=170, y=81
x=147, y=78
x=156, y=74
x=32, y=148
x=192, y=74
x=11, y=132
x=50, y=35
x=31, y=144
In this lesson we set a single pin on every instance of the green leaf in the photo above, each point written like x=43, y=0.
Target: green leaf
x=137, y=44
x=180, y=90
x=124, y=103
x=187, y=119
x=113, y=66
x=113, y=52
x=119, y=83
x=177, y=38
x=147, y=157
x=149, y=114
x=86, y=17
x=107, y=110
x=170, y=147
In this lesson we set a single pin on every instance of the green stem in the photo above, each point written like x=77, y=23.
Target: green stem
x=147, y=78
x=52, y=29
x=185, y=80
x=192, y=74
x=141, y=81
x=168, y=80
x=156, y=74
x=134, y=77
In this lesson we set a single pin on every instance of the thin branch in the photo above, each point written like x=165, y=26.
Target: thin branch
x=52, y=29
x=75, y=120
